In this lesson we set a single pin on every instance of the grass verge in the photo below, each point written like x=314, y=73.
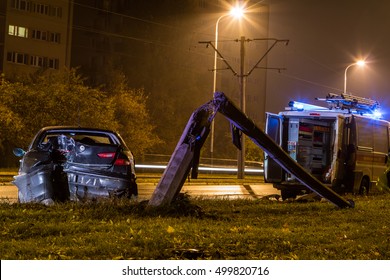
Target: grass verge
x=197, y=229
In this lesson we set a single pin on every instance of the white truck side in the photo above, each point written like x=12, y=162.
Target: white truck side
x=342, y=146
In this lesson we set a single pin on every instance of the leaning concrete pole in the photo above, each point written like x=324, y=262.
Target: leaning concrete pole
x=184, y=156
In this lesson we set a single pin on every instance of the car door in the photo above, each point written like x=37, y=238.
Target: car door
x=273, y=173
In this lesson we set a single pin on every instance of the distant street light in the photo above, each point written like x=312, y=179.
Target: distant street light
x=237, y=12
x=359, y=63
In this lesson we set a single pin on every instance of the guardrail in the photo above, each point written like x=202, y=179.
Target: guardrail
x=206, y=169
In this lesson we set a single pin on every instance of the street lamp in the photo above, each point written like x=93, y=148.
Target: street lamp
x=237, y=12
x=359, y=63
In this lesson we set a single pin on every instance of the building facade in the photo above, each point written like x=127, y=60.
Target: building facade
x=37, y=36
x=3, y=9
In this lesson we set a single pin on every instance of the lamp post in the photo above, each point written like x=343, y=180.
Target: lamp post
x=242, y=85
x=236, y=12
x=359, y=63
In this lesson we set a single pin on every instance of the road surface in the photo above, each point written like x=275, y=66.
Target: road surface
x=8, y=192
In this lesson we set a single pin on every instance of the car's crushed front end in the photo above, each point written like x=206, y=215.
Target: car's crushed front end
x=37, y=185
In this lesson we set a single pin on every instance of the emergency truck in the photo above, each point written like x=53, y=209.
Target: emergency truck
x=344, y=145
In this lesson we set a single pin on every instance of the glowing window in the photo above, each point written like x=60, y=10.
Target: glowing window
x=11, y=29
x=18, y=31
x=22, y=32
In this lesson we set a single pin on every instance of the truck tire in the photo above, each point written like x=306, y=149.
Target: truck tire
x=388, y=179
x=286, y=194
x=364, y=186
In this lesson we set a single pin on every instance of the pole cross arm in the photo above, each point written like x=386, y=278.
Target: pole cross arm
x=276, y=41
x=220, y=56
x=279, y=69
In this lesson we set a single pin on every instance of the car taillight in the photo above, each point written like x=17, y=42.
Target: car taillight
x=106, y=155
x=121, y=161
x=118, y=161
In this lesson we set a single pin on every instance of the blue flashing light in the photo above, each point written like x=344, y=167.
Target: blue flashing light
x=377, y=114
x=301, y=106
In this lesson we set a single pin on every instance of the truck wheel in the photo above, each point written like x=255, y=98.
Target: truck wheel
x=364, y=186
x=286, y=194
x=388, y=179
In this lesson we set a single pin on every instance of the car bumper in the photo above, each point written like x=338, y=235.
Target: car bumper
x=48, y=183
x=90, y=184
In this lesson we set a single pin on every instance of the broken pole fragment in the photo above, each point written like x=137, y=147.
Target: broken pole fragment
x=184, y=157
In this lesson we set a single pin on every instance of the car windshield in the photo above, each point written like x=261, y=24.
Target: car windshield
x=86, y=138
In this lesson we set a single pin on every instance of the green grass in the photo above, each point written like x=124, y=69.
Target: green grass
x=197, y=229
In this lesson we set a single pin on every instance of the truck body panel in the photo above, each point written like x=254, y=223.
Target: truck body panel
x=344, y=150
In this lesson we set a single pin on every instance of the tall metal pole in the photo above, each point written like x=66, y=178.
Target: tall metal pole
x=242, y=84
x=212, y=129
x=359, y=63
x=345, y=77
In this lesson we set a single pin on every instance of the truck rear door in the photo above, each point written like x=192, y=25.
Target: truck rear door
x=273, y=173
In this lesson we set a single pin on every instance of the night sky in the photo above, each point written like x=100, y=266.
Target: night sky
x=325, y=37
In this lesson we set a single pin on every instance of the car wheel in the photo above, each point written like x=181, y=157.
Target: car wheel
x=132, y=191
x=364, y=186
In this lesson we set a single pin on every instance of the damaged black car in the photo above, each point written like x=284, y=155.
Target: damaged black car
x=72, y=163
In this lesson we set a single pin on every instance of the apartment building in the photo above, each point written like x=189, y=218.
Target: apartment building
x=35, y=35
x=3, y=8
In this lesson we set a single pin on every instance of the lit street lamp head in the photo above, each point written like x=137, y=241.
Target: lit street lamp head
x=361, y=62
x=237, y=12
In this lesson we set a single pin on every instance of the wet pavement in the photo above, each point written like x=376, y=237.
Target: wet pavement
x=9, y=193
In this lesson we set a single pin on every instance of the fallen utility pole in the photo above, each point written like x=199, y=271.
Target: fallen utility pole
x=186, y=154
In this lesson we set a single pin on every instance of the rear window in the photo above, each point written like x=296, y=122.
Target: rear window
x=85, y=138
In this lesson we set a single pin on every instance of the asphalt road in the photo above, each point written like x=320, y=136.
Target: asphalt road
x=8, y=192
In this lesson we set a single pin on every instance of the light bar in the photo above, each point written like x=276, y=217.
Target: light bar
x=301, y=106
